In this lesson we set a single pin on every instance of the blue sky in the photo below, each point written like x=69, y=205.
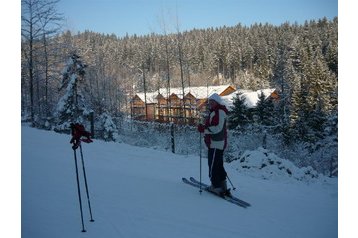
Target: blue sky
x=144, y=16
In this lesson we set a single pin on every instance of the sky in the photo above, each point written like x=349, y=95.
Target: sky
x=142, y=17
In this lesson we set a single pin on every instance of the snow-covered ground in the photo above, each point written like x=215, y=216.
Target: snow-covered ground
x=137, y=192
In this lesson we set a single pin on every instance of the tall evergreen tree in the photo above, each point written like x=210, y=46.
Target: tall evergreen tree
x=72, y=107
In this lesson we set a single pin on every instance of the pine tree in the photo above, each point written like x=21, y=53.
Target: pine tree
x=321, y=85
x=107, y=127
x=238, y=116
x=299, y=114
x=72, y=107
x=264, y=110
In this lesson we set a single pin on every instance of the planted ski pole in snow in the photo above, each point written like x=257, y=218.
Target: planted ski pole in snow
x=79, y=191
x=201, y=131
x=77, y=131
x=84, y=175
x=200, y=161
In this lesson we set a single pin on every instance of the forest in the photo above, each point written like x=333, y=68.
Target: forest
x=300, y=61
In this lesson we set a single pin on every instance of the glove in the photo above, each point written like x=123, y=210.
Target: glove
x=201, y=128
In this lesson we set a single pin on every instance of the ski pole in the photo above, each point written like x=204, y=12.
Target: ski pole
x=84, y=174
x=79, y=191
x=200, y=160
x=233, y=187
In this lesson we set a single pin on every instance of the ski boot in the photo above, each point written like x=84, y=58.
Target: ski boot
x=225, y=190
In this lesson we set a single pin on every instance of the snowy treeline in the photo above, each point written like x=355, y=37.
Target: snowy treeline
x=308, y=136
x=301, y=61
x=187, y=142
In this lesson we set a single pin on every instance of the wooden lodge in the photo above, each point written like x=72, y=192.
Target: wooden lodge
x=171, y=106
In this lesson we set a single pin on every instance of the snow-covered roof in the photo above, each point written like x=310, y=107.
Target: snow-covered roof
x=251, y=97
x=198, y=92
x=151, y=97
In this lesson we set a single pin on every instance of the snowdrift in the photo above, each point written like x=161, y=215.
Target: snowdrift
x=264, y=164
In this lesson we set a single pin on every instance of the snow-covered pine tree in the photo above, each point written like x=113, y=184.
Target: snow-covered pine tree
x=72, y=106
x=264, y=110
x=238, y=115
x=106, y=127
x=319, y=84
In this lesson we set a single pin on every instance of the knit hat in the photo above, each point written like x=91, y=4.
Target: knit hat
x=216, y=98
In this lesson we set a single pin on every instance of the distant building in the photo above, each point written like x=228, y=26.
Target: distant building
x=171, y=106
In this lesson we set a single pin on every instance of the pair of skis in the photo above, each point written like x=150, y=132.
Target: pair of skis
x=232, y=199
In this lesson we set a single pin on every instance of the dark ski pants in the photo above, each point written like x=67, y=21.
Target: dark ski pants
x=217, y=172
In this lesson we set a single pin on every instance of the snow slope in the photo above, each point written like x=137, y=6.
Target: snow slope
x=137, y=192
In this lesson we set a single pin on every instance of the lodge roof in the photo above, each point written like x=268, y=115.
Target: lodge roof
x=251, y=97
x=202, y=92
